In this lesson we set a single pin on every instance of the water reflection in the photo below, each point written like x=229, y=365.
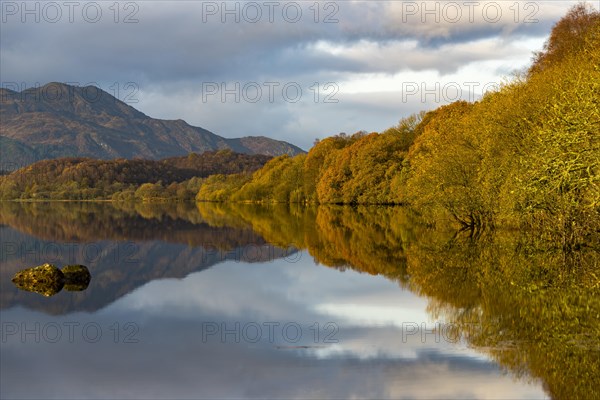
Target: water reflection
x=176, y=279
x=124, y=248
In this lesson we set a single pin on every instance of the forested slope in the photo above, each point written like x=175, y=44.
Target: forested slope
x=90, y=179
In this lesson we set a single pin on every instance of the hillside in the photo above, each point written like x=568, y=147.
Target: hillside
x=59, y=120
x=85, y=178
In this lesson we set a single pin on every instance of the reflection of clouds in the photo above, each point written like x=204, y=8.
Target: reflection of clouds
x=462, y=380
x=371, y=315
x=280, y=290
x=229, y=289
x=171, y=360
x=168, y=364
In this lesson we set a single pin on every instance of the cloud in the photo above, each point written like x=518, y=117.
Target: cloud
x=191, y=44
x=171, y=51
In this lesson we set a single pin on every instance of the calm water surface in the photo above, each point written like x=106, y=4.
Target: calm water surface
x=271, y=302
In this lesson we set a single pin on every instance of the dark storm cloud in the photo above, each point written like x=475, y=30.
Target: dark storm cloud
x=182, y=42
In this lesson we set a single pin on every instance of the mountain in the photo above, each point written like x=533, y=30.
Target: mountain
x=59, y=120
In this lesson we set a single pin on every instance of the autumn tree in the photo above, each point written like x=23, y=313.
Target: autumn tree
x=568, y=36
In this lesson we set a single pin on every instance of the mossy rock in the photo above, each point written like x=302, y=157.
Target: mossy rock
x=48, y=280
x=45, y=279
x=77, y=277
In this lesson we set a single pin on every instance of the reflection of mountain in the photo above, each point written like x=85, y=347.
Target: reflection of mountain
x=136, y=251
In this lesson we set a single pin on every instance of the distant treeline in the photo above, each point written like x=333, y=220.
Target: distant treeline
x=89, y=179
x=526, y=154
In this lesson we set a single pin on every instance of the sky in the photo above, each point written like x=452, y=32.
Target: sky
x=293, y=71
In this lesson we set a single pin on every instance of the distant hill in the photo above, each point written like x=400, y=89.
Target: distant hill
x=63, y=177
x=59, y=120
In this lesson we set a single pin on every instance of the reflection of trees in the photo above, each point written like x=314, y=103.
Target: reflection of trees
x=361, y=238
x=534, y=309
x=280, y=224
x=84, y=222
x=536, y=312
x=368, y=239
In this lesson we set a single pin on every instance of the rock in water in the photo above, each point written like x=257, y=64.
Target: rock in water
x=48, y=280
x=77, y=277
x=45, y=279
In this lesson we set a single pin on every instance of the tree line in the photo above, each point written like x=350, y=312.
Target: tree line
x=89, y=179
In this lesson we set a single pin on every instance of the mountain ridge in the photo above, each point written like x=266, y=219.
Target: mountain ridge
x=59, y=120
